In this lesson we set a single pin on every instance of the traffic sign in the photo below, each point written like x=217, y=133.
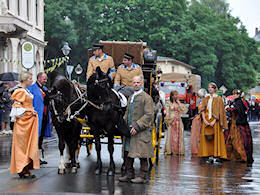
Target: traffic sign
x=69, y=70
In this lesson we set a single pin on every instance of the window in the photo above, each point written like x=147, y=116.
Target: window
x=172, y=68
x=36, y=12
x=18, y=7
x=7, y=4
x=28, y=10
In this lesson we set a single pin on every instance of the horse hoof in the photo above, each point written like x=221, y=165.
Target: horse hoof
x=98, y=172
x=67, y=165
x=74, y=170
x=61, y=171
x=110, y=173
x=78, y=165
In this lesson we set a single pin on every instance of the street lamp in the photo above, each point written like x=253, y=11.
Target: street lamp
x=66, y=50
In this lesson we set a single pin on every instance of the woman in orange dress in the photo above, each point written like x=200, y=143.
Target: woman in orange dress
x=25, y=154
x=196, y=126
x=214, y=120
x=175, y=134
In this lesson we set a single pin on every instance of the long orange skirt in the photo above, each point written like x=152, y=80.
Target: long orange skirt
x=215, y=147
x=25, y=143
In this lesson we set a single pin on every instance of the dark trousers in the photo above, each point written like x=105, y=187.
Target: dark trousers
x=44, y=124
x=143, y=169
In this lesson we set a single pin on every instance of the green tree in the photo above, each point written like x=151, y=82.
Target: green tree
x=221, y=51
x=202, y=34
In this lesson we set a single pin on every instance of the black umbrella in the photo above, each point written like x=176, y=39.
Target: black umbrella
x=9, y=76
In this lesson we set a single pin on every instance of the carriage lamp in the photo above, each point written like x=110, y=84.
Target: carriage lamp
x=173, y=81
x=182, y=84
x=162, y=84
x=66, y=50
x=78, y=71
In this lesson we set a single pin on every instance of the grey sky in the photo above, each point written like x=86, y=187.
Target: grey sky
x=249, y=13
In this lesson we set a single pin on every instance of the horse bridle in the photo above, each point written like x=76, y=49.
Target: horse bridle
x=58, y=97
x=81, y=96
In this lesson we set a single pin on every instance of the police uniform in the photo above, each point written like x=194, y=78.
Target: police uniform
x=105, y=62
x=125, y=75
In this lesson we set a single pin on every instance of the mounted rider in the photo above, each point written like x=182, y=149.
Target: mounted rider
x=102, y=60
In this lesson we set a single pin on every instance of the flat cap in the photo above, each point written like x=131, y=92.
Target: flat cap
x=98, y=46
x=128, y=56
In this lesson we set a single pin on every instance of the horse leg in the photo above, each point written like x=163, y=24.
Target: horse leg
x=72, y=157
x=61, y=169
x=98, y=170
x=67, y=156
x=77, y=155
x=111, y=169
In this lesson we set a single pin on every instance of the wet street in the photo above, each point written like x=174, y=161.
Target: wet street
x=173, y=175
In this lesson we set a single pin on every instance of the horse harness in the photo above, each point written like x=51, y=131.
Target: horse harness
x=81, y=96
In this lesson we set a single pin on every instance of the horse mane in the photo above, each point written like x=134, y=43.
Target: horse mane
x=62, y=84
x=53, y=75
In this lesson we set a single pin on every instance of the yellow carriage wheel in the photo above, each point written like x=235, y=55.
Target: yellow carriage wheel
x=156, y=141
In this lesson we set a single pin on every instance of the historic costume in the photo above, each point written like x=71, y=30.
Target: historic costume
x=239, y=143
x=139, y=114
x=25, y=132
x=40, y=104
x=104, y=62
x=175, y=134
x=124, y=74
x=212, y=141
x=195, y=133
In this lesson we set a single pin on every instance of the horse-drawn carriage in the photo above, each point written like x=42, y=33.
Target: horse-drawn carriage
x=146, y=58
x=100, y=106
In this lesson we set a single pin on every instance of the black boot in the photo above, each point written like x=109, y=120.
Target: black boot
x=130, y=172
x=123, y=168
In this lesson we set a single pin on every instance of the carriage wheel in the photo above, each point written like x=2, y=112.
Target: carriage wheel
x=156, y=141
x=87, y=139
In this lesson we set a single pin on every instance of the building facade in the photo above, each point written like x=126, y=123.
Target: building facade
x=20, y=21
x=169, y=65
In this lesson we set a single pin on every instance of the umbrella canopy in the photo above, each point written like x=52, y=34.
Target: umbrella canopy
x=9, y=76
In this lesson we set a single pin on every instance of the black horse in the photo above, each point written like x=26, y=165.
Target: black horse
x=105, y=115
x=61, y=95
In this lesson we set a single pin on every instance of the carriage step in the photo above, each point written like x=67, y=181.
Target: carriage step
x=92, y=136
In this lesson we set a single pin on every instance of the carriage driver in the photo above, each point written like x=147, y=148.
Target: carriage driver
x=126, y=72
x=102, y=60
